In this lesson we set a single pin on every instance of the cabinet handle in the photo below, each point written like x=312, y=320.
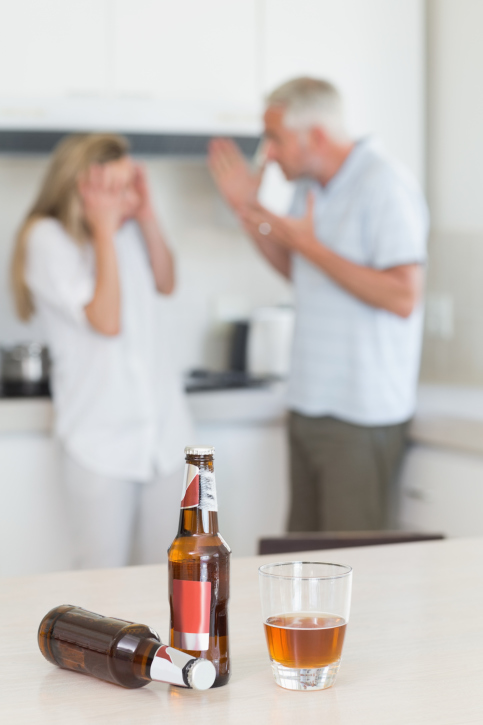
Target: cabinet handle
x=416, y=494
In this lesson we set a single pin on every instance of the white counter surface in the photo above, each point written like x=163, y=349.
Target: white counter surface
x=448, y=416
x=26, y=415
x=243, y=405
x=412, y=654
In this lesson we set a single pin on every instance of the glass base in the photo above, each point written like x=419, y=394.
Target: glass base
x=315, y=678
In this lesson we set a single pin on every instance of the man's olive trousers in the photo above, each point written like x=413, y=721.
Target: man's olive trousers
x=343, y=475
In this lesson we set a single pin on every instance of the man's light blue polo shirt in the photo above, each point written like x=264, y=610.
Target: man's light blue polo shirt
x=350, y=360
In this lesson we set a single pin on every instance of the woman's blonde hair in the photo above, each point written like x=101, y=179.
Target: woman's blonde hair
x=59, y=198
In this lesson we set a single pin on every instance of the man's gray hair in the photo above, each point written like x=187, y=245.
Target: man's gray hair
x=310, y=102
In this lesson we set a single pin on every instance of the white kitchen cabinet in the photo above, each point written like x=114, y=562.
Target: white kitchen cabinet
x=374, y=50
x=33, y=529
x=203, y=67
x=248, y=430
x=50, y=49
x=187, y=51
x=133, y=65
x=251, y=479
x=441, y=490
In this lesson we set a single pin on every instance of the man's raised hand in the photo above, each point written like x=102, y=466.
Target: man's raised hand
x=237, y=183
x=295, y=234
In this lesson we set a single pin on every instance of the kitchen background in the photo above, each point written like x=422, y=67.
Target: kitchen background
x=410, y=71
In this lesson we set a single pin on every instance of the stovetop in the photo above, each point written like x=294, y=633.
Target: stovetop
x=20, y=389
x=207, y=380
x=195, y=381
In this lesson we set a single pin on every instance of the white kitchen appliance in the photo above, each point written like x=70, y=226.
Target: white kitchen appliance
x=270, y=341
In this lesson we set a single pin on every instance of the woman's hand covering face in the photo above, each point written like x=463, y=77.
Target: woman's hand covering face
x=109, y=196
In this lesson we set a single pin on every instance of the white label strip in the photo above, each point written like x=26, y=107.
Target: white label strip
x=193, y=641
x=208, y=501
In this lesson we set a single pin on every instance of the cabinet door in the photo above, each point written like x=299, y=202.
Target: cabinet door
x=51, y=48
x=373, y=50
x=187, y=50
x=34, y=536
x=251, y=480
x=442, y=491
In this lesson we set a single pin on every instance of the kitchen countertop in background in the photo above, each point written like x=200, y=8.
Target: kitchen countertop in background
x=447, y=416
x=242, y=405
x=26, y=415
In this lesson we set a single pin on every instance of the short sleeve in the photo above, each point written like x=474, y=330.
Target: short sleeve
x=59, y=271
x=398, y=223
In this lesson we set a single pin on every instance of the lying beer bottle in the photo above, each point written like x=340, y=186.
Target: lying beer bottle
x=199, y=569
x=117, y=651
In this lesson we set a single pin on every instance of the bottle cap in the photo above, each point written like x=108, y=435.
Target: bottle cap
x=201, y=675
x=199, y=451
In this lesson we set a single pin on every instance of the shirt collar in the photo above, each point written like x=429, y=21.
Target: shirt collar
x=352, y=163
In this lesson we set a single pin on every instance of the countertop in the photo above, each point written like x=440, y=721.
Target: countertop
x=26, y=415
x=412, y=654
x=448, y=416
x=261, y=405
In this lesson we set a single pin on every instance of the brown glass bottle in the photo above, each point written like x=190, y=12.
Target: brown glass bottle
x=117, y=651
x=199, y=569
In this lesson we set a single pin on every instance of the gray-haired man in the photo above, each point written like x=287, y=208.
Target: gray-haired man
x=353, y=245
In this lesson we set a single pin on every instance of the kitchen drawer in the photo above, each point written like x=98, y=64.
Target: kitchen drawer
x=33, y=528
x=441, y=490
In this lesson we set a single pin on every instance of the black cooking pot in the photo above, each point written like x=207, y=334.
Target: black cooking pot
x=25, y=370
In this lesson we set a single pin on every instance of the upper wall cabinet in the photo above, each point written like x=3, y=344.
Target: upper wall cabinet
x=372, y=49
x=53, y=48
x=134, y=65
x=189, y=64
x=187, y=50
x=202, y=66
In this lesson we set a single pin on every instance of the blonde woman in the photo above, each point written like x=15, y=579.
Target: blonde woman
x=90, y=260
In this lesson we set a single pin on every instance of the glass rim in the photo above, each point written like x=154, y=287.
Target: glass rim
x=347, y=570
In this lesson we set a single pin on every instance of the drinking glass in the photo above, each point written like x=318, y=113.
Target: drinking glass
x=305, y=609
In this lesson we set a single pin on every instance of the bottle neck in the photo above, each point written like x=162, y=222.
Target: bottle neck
x=143, y=660
x=179, y=668
x=197, y=521
x=199, y=508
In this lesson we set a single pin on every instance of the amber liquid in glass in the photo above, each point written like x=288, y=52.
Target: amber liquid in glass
x=305, y=639
x=199, y=553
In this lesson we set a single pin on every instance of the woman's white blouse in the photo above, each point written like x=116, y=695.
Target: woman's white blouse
x=120, y=410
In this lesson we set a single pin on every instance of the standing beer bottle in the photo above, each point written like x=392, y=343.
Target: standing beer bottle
x=199, y=569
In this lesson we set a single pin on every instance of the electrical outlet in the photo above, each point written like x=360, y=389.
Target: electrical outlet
x=440, y=316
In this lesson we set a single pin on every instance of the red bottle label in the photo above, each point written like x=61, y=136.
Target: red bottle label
x=191, y=614
x=199, y=489
x=190, y=496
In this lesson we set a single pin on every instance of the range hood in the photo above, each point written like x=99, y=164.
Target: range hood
x=152, y=126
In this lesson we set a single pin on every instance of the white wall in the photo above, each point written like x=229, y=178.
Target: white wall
x=455, y=185
x=374, y=50
x=220, y=275
x=455, y=141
